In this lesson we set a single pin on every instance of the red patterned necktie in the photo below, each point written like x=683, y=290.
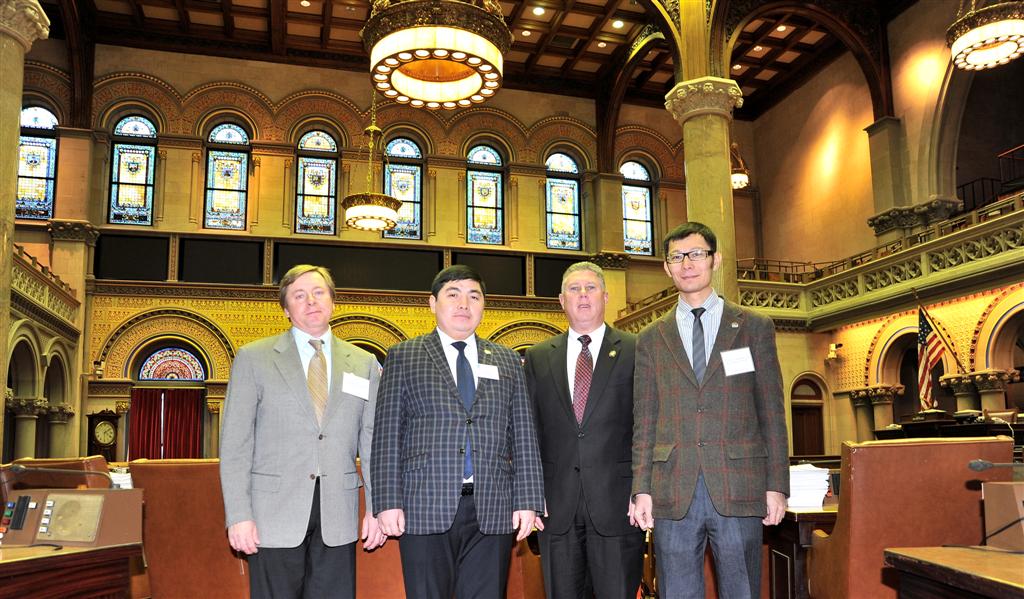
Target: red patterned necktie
x=584, y=374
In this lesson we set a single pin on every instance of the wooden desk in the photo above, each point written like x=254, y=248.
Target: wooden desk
x=787, y=548
x=957, y=572
x=42, y=572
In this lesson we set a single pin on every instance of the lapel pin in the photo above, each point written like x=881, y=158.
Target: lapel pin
x=735, y=325
x=487, y=351
x=612, y=353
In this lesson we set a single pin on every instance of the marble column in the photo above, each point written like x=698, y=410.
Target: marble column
x=121, y=406
x=26, y=418
x=606, y=191
x=57, y=417
x=614, y=267
x=881, y=397
x=991, y=386
x=703, y=108
x=214, y=408
x=862, y=415
x=22, y=22
x=963, y=389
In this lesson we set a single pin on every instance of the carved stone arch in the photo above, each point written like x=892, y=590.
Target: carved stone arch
x=57, y=379
x=56, y=346
x=209, y=101
x=147, y=348
x=317, y=123
x=115, y=112
x=886, y=348
x=121, y=345
x=50, y=86
x=431, y=128
x=997, y=329
x=25, y=345
x=297, y=109
x=466, y=130
x=816, y=377
x=940, y=146
x=411, y=131
x=367, y=328
x=112, y=91
x=547, y=134
x=633, y=140
x=523, y=334
x=582, y=158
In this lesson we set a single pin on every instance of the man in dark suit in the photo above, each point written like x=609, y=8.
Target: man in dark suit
x=581, y=385
x=299, y=409
x=456, y=468
x=710, y=451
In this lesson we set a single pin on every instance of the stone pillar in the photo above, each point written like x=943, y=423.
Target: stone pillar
x=214, y=408
x=26, y=416
x=963, y=389
x=861, y=401
x=703, y=107
x=22, y=22
x=58, y=421
x=121, y=407
x=991, y=386
x=881, y=397
x=889, y=183
x=606, y=191
x=614, y=266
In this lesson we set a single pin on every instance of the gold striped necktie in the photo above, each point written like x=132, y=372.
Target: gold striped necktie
x=316, y=379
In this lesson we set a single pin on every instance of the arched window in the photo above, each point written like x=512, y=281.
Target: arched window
x=403, y=179
x=562, y=190
x=172, y=363
x=37, y=164
x=484, y=196
x=132, y=168
x=316, y=197
x=227, y=177
x=637, y=227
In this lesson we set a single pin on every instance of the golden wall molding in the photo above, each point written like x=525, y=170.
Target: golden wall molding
x=43, y=294
x=50, y=82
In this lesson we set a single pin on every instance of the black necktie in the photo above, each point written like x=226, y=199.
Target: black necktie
x=467, y=390
x=699, y=358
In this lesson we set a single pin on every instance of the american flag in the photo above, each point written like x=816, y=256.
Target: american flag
x=929, y=352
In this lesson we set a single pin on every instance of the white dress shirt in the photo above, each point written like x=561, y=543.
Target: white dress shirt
x=711, y=319
x=306, y=351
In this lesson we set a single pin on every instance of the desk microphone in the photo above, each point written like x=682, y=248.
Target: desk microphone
x=18, y=469
x=982, y=465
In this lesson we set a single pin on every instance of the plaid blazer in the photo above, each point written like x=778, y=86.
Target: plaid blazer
x=419, y=439
x=733, y=428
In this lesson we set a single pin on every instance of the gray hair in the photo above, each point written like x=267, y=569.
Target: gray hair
x=584, y=266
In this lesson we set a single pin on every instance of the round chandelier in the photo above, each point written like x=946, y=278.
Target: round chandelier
x=371, y=211
x=987, y=37
x=436, y=54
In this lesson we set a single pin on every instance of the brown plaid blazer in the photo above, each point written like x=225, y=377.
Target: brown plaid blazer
x=733, y=428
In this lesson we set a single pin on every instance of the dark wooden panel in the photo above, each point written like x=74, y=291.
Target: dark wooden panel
x=131, y=258
x=221, y=261
x=362, y=267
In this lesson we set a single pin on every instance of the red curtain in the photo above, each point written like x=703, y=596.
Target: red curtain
x=183, y=423
x=165, y=423
x=144, y=424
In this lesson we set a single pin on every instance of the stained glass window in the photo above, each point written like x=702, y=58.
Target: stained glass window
x=227, y=178
x=172, y=363
x=316, y=198
x=132, y=170
x=637, y=223
x=484, y=191
x=563, y=203
x=37, y=164
x=403, y=179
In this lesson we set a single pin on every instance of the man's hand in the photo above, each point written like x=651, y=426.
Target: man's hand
x=523, y=521
x=392, y=522
x=371, y=534
x=631, y=513
x=643, y=511
x=243, y=537
x=776, y=507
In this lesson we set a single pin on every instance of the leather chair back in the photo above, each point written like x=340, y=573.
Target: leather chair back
x=9, y=481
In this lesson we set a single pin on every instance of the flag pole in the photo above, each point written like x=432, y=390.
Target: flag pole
x=938, y=331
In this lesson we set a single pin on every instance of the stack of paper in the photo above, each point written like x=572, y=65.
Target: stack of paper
x=121, y=478
x=807, y=485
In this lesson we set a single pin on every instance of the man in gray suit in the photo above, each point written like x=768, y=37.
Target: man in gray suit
x=456, y=468
x=710, y=450
x=299, y=409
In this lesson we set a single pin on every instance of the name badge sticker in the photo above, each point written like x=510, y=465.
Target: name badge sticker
x=737, y=361
x=354, y=384
x=487, y=371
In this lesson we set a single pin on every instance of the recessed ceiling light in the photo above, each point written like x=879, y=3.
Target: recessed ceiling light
x=736, y=67
x=601, y=44
x=304, y=3
x=617, y=24
x=538, y=10
x=780, y=28
x=758, y=48
x=526, y=33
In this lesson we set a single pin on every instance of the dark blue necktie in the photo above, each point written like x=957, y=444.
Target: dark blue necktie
x=467, y=390
x=700, y=360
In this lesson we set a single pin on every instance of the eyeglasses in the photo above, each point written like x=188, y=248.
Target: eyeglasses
x=696, y=255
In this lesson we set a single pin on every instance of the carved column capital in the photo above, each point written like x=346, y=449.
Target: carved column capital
x=901, y=217
x=28, y=406
x=705, y=95
x=24, y=20
x=993, y=379
x=213, y=407
x=860, y=398
x=8, y=396
x=73, y=230
x=121, y=407
x=937, y=209
x=959, y=383
x=885, y=393
x=60, y=414
x=610, y=260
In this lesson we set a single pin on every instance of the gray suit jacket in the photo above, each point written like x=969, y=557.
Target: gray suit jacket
x=420, y=437
x=733, y=428
x=271, y=446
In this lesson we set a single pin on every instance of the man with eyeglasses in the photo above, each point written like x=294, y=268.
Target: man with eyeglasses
x=581, y=386
x=710, y=451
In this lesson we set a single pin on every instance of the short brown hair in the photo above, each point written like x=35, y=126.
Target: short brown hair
x=297, y=271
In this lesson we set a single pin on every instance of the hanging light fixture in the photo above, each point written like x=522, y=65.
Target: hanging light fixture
x=371, y=211
x=436, y=53
x=986, y=37
x=740, y=175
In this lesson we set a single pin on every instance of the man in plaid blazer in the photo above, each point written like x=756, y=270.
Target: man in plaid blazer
x=710, y=450
x=456, y=468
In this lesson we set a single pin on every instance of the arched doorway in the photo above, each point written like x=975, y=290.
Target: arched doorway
x=807, y=403
x=23, y=383
x=168, y=408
